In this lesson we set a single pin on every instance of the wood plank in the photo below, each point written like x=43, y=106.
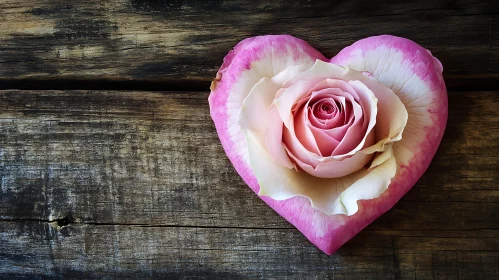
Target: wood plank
x=106, y=156
x=136, y=185
x=82, y=251
x=177, y=41
x=154, y=158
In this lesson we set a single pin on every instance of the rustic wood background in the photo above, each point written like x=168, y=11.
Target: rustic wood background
x=111, y=168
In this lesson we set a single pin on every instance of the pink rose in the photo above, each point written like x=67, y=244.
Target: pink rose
x=317, y=137
x=309, y=129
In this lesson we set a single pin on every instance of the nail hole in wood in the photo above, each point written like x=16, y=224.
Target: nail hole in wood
x=63, y=222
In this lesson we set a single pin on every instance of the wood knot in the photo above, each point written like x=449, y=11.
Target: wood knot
x=59, y=224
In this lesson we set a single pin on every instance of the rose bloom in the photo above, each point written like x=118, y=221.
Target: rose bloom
x=333, y=132
x=310, y=130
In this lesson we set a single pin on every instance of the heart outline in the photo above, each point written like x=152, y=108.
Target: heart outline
x=329, y=233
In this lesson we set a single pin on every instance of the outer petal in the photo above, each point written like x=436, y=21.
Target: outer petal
x=250, y=61
x=254, y=112
x=392, y=114
x=369, y=186
x=255, y=115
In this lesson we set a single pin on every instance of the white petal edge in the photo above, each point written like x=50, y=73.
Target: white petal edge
x=254, y=115
x=330, y=196
x=370, y=186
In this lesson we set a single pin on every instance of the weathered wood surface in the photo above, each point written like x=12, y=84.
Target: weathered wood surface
x=162, y=43
x=136, y=185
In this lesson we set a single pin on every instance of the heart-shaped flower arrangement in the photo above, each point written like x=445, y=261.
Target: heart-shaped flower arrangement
x=330, y=144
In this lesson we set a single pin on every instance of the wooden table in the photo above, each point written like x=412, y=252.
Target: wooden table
x=111, y=167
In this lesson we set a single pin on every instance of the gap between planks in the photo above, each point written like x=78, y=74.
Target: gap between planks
x=454, y=82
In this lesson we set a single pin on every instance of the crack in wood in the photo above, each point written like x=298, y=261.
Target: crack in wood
x=63, y=222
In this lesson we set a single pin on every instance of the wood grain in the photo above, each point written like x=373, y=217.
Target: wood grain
x=136, y=185
x=171, y=43
x=110, y=166
x=85, y=251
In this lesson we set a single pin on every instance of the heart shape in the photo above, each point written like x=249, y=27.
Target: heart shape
x=400, y=64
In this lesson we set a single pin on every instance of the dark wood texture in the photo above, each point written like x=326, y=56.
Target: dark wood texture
x=110, y=165
x=135, y=184
x=158, y=42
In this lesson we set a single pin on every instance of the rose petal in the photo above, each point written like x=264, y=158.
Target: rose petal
x=273, y=139
x=251, y=60
x=324, y=142
x=254, y=115
x=392, y=114
x=318, y=72
x=334, y=168
x=298, y=88
x=414, y=75
x=254, y=112
x=304, y=134
x=289, y=97
x=281, y=183
x=322, y=120
x=370, y=186
x=384, y=156
x=337, y=84
x=331, y=196
x=356, y=135
x=328, y=72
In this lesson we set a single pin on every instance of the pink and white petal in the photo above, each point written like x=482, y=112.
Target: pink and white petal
x=392, y=114
x=280, y=183
x=296, y=93
x=303, y=132
x=319, y=71
x=273, y=139
x=336, y=169
x=254, y=112
x=250, y=61
x=416, y=77
x=325, y=143
x=330, y=232
x=356, y=135
x=370, y=186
